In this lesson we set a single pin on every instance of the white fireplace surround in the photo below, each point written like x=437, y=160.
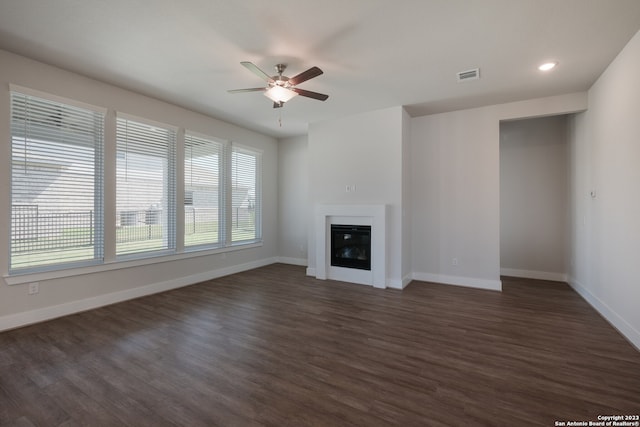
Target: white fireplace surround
x=374, y=215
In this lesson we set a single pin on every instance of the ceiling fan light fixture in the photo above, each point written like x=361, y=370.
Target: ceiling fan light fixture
x=278, y=93
x=547, y=66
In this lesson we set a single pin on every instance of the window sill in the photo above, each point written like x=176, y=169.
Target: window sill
x=18, y=279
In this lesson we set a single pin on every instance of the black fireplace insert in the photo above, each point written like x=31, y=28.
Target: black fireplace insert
x=351, y=246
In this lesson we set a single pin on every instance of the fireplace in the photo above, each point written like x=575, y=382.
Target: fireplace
x=351, y=246
x=371, y=216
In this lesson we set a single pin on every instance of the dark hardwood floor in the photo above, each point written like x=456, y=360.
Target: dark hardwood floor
x=274, y=347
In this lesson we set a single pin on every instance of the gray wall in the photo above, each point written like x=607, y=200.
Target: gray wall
x=534, y=198
x=293, y=199
x=456, y=189
x=605, y=159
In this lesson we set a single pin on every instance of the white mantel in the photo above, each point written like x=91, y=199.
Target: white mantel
x=374, y=215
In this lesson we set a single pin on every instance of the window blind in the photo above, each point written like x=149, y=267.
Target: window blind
x=56, y=184
x=204, y=219
x=145, y=188
x=245, y=195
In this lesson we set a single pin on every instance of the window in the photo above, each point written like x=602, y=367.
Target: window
x=245, y=195
x=145, y=188
x=56, y=184
x=58, y=192
x=204, y=192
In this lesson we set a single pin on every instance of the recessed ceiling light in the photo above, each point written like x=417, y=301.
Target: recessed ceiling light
x=547, y=66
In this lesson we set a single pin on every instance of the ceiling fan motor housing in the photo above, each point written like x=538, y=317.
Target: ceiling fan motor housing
x=280, y=80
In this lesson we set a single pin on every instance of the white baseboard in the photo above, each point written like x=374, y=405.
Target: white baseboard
x=391, y=283
x=399, y=284
x=532, y=274
x=470, y=282
x=293, y=261
x=17, y=320
x=394, y=284
x=624, y=327
x=494, y=285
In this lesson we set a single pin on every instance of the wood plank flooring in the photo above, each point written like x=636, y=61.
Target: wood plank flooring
x=273, y=347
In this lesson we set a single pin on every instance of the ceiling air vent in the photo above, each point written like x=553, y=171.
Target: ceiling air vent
x=463, y=76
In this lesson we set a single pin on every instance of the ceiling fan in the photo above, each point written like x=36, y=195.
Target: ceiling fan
x=281, y=89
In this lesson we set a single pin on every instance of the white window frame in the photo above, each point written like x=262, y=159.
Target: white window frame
x=169, y=188
x=258, y=196
x=222, y=191
x=107, y=188
x=97, y=221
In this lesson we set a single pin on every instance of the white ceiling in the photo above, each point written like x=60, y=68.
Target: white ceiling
x=374, y=53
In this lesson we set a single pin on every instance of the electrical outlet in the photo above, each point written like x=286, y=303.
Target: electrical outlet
x=454, y=261
x=34, y=288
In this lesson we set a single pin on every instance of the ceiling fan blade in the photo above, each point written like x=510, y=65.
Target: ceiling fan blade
x=253, y=89
x=309, y=94
x=305, y=75
x=257, y=71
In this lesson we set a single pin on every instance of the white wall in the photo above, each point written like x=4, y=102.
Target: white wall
x=366, y=151
x=63, y=295
x=605, y=150
x=293, y=199
x=456, y=189
x=534, y=198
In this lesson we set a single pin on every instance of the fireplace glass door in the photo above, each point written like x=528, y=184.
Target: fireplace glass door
x=351, y=246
